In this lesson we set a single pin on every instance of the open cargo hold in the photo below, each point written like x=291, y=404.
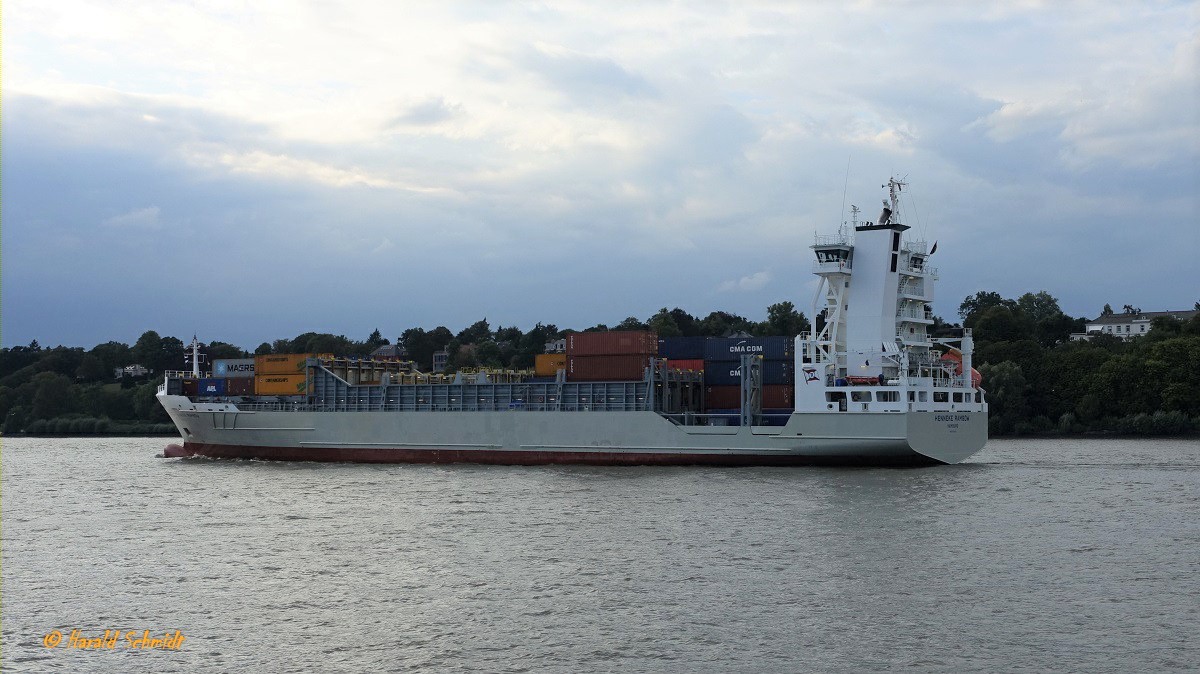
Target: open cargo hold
x=726, y=397
x=548, y=364
x=611, y=368
x=280, y=384
x=732, y=348
x=681, y=348
x=612, y=343
x=729, y=373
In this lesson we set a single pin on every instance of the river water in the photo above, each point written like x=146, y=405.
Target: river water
x=1045, y=555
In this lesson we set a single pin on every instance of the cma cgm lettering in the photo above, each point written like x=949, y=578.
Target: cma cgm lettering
x=733, y=348
x=729, y=373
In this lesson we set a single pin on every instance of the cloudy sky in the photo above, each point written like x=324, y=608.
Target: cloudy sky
x=249, y=171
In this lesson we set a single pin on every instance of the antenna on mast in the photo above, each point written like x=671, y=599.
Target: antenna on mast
x=195, y=356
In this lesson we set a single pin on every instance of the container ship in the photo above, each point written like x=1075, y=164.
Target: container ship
x=868, y=385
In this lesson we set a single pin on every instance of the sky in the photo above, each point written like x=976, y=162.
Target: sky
x=249, y=171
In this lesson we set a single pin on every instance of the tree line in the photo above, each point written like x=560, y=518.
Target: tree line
x=1037, y=379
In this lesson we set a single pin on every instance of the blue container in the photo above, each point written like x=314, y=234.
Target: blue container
x=732, y=348
x=681, y=348
x=211, y=387
x=729, y=373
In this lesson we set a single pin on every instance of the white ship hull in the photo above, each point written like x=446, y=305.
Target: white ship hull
x=529, y=437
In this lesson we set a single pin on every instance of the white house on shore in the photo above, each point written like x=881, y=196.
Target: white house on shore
x=1127, y=326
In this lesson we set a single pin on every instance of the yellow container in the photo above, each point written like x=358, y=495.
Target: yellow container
x=548, y=364
x=280, y=384
x=281, y=363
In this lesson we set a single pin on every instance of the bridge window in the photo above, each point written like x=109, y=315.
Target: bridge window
x=860, y=396
x=941, y=397
x=887, y=396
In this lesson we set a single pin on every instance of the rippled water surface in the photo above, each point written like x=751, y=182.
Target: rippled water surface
x=1048, y=555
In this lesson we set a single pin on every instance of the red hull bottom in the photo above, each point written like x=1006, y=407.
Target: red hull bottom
x=521, y=458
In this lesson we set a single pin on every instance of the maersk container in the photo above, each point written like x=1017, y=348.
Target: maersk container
x=233, y=367
x=280, y=384
x=681, y=348
x=212, y=387
x=729, y=373
x=607, y=368
x=614, y=343
x=239, y=386
x=548, y=364
x=732, y=348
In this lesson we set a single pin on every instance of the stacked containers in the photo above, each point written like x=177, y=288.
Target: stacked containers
x=238, y=374
x=609, y=356
x=548, y=364
x=723, y=376
x=281, y=374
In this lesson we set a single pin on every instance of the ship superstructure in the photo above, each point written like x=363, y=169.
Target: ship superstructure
x=869, y=385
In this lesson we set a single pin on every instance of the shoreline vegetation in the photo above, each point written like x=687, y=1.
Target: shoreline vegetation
x=1038, y=381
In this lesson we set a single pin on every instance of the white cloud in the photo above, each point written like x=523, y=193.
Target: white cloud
x=755, y=281
x=139, y=218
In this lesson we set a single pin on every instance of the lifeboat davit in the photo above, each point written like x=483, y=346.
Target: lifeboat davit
x=955, y=356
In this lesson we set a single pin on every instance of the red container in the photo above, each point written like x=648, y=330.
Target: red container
x=722, y=397
x=607, y=368
x=612, y=343
x=777, y=396
x=696, y=365
x=241, y=386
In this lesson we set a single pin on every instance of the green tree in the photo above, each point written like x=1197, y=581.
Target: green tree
x=664, y=324
x=631, y=323
x=54, y=396
x=1006, y=391
x=477, y=332
x=784, y=320
x=92, y=369
x=980, y=302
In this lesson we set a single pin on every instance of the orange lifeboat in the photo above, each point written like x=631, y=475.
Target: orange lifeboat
x=955, y=356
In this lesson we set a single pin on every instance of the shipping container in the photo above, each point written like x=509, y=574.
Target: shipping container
x=212, y=387
x=281, y=363
x=722, y=397
x=548, y=364
x=174, y=387
x=729, y=372
x=239, y=386
x=693, y=364
x=773, y=397
x=614, y=343
x=190, y=386
x=607, y=368
x=732, y=348
x=233, y=367
x=681, y=348
x=280, y=384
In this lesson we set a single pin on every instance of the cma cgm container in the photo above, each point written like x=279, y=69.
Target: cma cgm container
x=284, y=363
x=280, y=384
x=729, y=372
x=548, y=364
x=612, y=343
x=681, y=348
x=211, y=387
x=233, y=367
x=607, y=368
x=732, y=348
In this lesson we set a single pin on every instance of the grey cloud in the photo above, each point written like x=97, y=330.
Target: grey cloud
x=427, y=113
x=583, y=78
